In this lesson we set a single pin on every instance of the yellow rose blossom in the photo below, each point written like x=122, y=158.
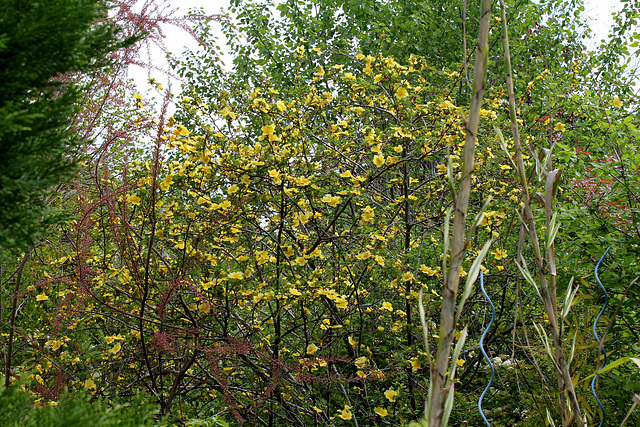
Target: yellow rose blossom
x=428, y=270
x=203, y=308
x=312, y=349
x=381, y=411
x=361, y=362
x=295, y=292
x=367, y=215
x=115, y=349
x=345, y=413
x=133, y=199
x=499, y=254
x=560, y=127
x=303, y=181
x=166, y=183
x=391, y=395
x=341, y=303
x=407, y=276
x=378, y=160
x=268, y=129
x=401, y=93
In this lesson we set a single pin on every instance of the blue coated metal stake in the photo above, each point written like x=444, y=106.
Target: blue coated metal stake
x=493, y=315
x=595, y=334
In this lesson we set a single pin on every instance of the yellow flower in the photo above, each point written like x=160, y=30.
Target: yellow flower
x=379, y=260
x=560, y=127
x=204, y=308
x=391, y=395
x=181, y=130
x=361, y=362
x=415, y=364
x=166, y=183
x=617, y=102
x=301, y=260
x=341, y=303
x=499, y=254
x=459, y=362
x=41, y=297
x=367, y=215
x=133, y=199
x=109, y=340
x=268, y=129
x=303, y=181
x=381, y=411
x=89, y=384
x=387, y=306
x=235, y=275
x=407, y=276
x=311, y=349
x=378, y=160
x=295, y=292
x=116, y=348
x=428, y=270
x=346, y=174
x=345, y=413
x=401, y=93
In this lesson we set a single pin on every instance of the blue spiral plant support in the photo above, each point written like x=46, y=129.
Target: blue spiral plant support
x=595, y=334
x=487, y=358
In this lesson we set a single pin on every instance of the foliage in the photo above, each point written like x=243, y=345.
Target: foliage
x=257, y=259
x=18, y=409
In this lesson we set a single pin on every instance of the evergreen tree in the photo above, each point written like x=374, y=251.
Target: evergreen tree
x=41, y=44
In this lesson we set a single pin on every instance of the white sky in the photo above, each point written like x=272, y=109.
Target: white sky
x=597, y=11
